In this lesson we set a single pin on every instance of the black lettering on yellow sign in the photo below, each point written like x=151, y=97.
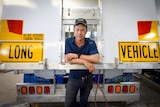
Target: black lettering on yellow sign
x=33, y=36
x=138, y=51
x=17, y=52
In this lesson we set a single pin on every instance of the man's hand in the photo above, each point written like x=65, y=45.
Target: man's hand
x=71, y=56
x=90, y=66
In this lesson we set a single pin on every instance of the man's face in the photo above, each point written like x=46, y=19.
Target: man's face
x=79, y=32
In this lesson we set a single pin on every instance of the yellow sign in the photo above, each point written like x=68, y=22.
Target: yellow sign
x=21, y=52
x=139, y=51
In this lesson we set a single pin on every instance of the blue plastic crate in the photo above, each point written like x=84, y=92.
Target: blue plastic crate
x=31, y=78
x=126, y=77
x=95, y=78
x=59, y=79
x=28, y=78
x=42, y=80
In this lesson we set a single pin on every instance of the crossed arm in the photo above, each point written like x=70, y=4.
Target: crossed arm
x=86, y=60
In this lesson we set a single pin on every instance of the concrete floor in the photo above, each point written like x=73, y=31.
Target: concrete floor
x=8, y=82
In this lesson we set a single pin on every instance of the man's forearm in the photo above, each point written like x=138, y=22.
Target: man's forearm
x=85, y=62
x=89, y=65
x=95, y=58
x=76, y=61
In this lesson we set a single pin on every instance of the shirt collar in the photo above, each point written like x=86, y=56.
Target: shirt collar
x=72, y=40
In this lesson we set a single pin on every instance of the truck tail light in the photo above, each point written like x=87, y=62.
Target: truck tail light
x=31, y=90
x=110, y=89
x=132, y=89
x=118, y=89
x=35, y=89
x=39, y=90
x=122, y=88
x=24, y=90
x=137, y=88
x=125, y=89
x=46, y=90
x=18, y=90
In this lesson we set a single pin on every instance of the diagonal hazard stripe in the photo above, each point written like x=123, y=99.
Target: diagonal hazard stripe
x=144, y=27
x=11, y=30
x=147, y=30
x=15, y=26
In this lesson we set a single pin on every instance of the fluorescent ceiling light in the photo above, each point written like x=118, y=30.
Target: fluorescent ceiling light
x=24, y=3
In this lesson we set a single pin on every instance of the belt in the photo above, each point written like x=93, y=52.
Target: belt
x=83, y=78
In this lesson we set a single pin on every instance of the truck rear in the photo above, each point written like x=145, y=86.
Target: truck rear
x=32, y=40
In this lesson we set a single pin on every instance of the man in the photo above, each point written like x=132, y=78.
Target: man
x=80, y=50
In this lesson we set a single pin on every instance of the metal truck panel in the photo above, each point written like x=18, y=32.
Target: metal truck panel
x=39, y=17
x=119, y=23
x=157, y=2
x=1, y=5
x=109, y=21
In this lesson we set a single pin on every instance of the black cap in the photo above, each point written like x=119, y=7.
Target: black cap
x=81, y=21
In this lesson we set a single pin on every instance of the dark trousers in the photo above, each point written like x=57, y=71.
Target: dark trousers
x=72, y=88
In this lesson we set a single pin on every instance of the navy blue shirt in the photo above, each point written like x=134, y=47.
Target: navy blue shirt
x=88, y=48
